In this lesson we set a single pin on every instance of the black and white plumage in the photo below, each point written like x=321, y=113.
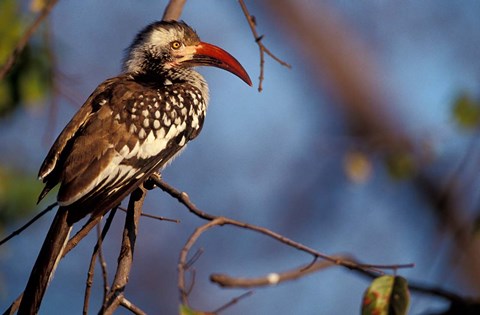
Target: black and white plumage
x=131, y=126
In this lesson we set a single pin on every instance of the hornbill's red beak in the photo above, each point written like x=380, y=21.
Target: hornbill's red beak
x=205, y=54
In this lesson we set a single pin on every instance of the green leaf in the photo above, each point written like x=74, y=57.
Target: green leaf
x=11, y=27
x=466, y=112
x=387, y=295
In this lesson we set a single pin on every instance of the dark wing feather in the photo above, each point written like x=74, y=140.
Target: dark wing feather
x=106, y=159
x=52, y=165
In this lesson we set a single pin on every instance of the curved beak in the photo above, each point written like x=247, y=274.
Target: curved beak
x=206, y=54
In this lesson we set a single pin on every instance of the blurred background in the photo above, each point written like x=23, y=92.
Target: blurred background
x=368, y=146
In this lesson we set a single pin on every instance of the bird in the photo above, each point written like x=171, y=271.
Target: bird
x=131, y=126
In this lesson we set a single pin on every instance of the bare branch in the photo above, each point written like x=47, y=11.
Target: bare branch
x=194, y=258
x=47, y=8
x=370, y=111
x=232, y=302
x=70, y=245
x=86, y=228
x=333, y=260
x=272, y=278
x=173, y=11
x=125, y=259
x=156, y=217
x=91, y=268
x=192, y=283
x=184, y=254
x=103, y=266
x=220, y=221
x=131, y=307
x=262, y=48
x=182, y=197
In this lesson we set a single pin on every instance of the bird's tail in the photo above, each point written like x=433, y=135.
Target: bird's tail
x=46, y=263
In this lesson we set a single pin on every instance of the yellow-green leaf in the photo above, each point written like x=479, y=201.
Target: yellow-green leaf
x=185, y=310
x=466, y=112
x=387, y=295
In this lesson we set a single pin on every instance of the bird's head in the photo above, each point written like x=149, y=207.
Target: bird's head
x=164, y=46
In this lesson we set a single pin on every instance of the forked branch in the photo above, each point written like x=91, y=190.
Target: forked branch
x=262, y=48
x=116, y=295
x=183, y=266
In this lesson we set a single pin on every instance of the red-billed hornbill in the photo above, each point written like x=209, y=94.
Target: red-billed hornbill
x=131, y=126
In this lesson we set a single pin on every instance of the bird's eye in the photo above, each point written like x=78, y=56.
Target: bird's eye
x=176, y=45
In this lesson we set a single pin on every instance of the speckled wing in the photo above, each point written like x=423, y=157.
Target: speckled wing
x=132, y=132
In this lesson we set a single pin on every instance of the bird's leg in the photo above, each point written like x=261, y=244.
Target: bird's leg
x=149, y=184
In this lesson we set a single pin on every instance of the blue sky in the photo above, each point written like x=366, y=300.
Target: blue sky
x=272, y=158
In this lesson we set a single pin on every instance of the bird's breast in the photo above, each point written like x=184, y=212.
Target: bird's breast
x=157, y=119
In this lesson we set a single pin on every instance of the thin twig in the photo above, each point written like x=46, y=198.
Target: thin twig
x=47, y=8
x=86, y=228
x=26, y=225
x=151, y=216
x=184, y=254
x=185, y=200
x=91, y=223
x=262, y=48
x=369, y=270
x=158, y=217
x=194, y=258
x=220, y=221
x=91, y=268
x=103, y=266
x=192, y=282
x=182, y=197
x=233, y=301
x=131, y=307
